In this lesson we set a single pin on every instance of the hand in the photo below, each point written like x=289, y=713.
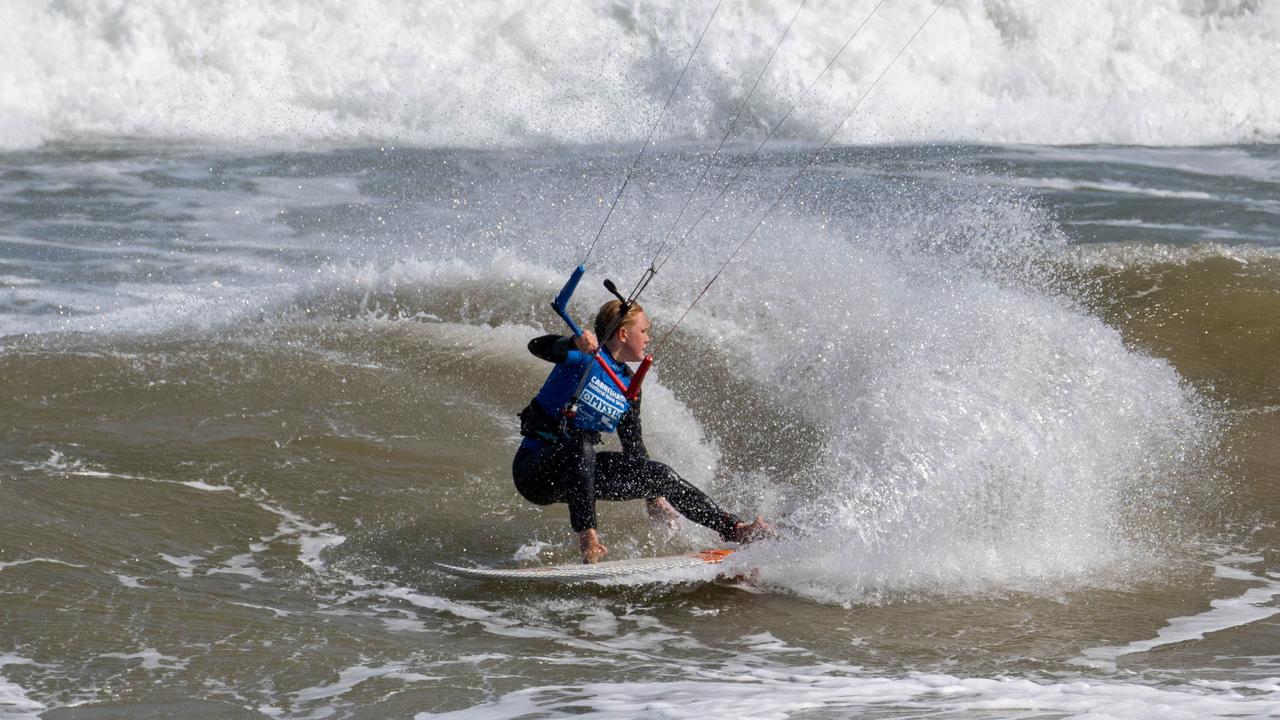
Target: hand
x=586, y=342
x=589, y=544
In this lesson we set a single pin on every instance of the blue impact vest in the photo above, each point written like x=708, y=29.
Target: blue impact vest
x=601, y=404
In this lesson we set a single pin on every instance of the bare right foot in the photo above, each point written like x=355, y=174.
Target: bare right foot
x=662, y=514
x=591, y=547
x=757, y=529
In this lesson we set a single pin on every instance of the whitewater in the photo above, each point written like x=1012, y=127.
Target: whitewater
x=502, y=74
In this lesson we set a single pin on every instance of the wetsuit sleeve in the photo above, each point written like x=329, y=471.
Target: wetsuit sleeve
x=552, y=348
x=629, y=432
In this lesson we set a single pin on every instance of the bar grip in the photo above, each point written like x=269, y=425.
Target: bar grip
x=561, y=303
x=634, y=388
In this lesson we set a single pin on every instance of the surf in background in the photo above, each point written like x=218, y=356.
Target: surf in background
x=1156, y=72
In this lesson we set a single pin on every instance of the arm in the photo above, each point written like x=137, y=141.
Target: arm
x=555, y=348
x=552, y=348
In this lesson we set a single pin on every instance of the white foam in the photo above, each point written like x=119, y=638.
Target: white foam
x=274, y=611
x=77, y=468
x=781, y=694
x=59, y=462
x=151, y=658
x=185, y=563
x=1224, y=614
x=604, y=638
x=465, y=611
x=28, y=561
x=530, y=550
x=1269, y=685
x=349, y=678
x=312, y=540
x=600, y=622
x=1113, y=187
x=239, y=565
x=403, y=625
x=312, y=545
x=201, y=485
x=15, y=704
x=512, y=72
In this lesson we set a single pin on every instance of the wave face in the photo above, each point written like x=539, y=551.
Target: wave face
x=512, y=73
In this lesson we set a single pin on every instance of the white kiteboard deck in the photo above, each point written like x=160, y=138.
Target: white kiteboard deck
x=604, y=570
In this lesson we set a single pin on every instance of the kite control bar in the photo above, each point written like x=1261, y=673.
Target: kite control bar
x=561, y=306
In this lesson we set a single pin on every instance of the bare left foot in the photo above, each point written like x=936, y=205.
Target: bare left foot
x=662, y=514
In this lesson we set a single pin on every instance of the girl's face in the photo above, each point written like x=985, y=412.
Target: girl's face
x=632, y=339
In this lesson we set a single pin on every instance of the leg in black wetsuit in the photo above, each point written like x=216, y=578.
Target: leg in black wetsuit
x=573, y=472
x=623, y=477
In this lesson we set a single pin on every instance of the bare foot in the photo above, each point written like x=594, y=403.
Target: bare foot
x=662, y=514
x=757, y=529
x=592, y=549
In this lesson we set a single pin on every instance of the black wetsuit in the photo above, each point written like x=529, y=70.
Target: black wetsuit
x=554, y=466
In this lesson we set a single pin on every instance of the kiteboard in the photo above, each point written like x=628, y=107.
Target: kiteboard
x=605, y=570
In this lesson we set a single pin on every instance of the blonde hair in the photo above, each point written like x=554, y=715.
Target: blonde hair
x=610, y=317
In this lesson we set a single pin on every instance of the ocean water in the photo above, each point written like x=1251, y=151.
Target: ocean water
x=1004, y=364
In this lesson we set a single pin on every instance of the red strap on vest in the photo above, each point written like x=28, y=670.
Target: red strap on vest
x=629, y=392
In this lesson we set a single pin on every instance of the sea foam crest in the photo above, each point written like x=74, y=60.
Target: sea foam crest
x=510, y=72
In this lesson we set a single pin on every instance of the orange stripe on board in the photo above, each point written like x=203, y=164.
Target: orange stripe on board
x=713, y=556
